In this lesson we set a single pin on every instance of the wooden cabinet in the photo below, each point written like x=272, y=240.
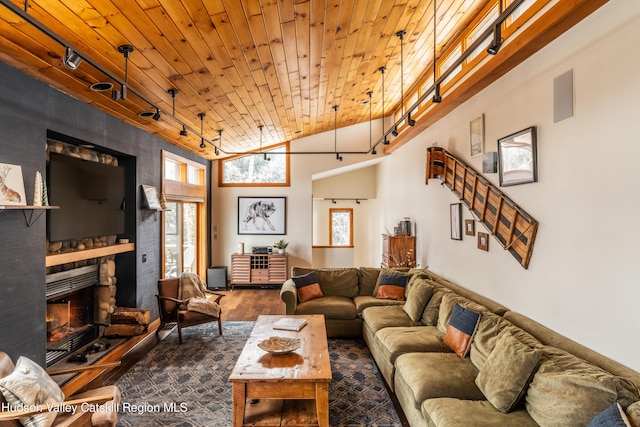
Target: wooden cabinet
x=258, y=269
x=398, y=251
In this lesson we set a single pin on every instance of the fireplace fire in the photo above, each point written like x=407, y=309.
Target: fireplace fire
x=58, y=314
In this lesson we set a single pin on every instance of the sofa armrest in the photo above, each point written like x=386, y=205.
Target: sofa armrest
x=289, y=295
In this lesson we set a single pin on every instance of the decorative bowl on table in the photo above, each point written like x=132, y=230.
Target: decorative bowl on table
x=279, y=345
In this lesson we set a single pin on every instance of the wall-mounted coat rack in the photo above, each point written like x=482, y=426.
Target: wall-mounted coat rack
x=514, y=228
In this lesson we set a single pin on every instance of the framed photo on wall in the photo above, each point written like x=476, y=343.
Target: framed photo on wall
x=517, y=162
x=262, y=215
x=476, y=136
x=455, y=216
x=483, y=241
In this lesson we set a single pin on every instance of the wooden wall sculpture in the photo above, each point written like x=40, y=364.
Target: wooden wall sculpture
x=514, y=228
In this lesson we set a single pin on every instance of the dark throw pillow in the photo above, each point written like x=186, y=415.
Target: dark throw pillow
x=392, y=286
x=460, y=329
x=308, y=287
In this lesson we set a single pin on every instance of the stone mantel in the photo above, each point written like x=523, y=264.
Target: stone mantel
x=68, y=257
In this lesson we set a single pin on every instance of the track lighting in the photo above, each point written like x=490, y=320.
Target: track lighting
x=436, y=97
x=333, y=201
x=202, y=144
x=201, y=117
x=394, y=131
x=215, y=150
x=173, y=93
x=410, y=121
x=338, y=157
x=156, y=115
x=183, y=132
x=266, y=157
x=125, y=50
x=115, y=95
x=71, y=59
x=497, y=41
x=374, y=152
x=357, y=202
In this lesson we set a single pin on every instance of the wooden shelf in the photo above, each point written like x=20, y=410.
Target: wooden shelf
x=67, y=257
x=27, y=208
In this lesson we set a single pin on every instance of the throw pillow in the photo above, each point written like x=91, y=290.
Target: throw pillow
x=508, y=370
x=613, y=416
x=460, y=329
x=392, y=287
x=308, y=287
x=384, y=273
x=29, y=385
x=417, y=297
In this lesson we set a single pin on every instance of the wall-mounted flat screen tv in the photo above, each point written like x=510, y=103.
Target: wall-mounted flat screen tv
x=90, y=196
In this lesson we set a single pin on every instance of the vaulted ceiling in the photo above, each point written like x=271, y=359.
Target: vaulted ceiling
x=283, y=64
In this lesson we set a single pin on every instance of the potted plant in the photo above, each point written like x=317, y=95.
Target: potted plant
x=280, y=245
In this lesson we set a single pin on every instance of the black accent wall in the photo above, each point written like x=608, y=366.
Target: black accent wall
x=28, y=110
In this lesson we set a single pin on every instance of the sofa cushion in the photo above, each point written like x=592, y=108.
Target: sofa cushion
x=29, y=385
x=431, y=375
x=364, y=301
x=432, y=308
x=418, y=296
x=567, y=390
x=381, y=317
x=367, y=279
x=307, y=286
x=504, y=378
x=398, y=340
x=333, y=281
x=333, y=307
x=490, y=329
x=450, y=412
x=633, y=413
x=460, y=330
x=392, y=286
x=613, y=416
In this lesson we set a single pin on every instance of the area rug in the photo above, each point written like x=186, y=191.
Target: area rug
x=187, y=384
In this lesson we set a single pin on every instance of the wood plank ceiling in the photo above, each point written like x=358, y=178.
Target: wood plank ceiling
x=283, y=64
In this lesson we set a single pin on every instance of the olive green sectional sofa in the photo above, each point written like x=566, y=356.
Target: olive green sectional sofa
x=513, y=370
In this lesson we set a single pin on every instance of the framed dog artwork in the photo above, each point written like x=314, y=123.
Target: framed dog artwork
x=262, y=215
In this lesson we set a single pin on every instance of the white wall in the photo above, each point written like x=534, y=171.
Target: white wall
x=583, y=277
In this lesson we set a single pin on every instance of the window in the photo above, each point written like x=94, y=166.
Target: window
x=184, y=247
x=341, y=227
x=268, y=168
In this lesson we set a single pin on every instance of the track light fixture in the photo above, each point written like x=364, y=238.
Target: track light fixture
x=220, y=137
x=497, y=41
x=71, y=59
x=357, y=202
x=401, y=34
x=125, y=50
x=183, y=132
x=156, y=116
x=333, y=201
x=173, y=93
x=215, y=150
x=201, y=117
x=381, y=69
x=373, y=150
x=394, y=131
x=437, y=98
x=335, y=132
x=410, y=121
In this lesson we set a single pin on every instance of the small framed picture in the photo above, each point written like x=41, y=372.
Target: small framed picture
x=151, y=198
x=469, y=227
x=11, y=185
x=483, y=241
x=455, y=214
x=476, y=136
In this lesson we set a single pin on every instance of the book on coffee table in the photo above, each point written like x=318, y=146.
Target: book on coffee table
x=290, y=324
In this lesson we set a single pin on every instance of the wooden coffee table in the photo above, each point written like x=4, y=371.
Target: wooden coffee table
x=303, y=374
